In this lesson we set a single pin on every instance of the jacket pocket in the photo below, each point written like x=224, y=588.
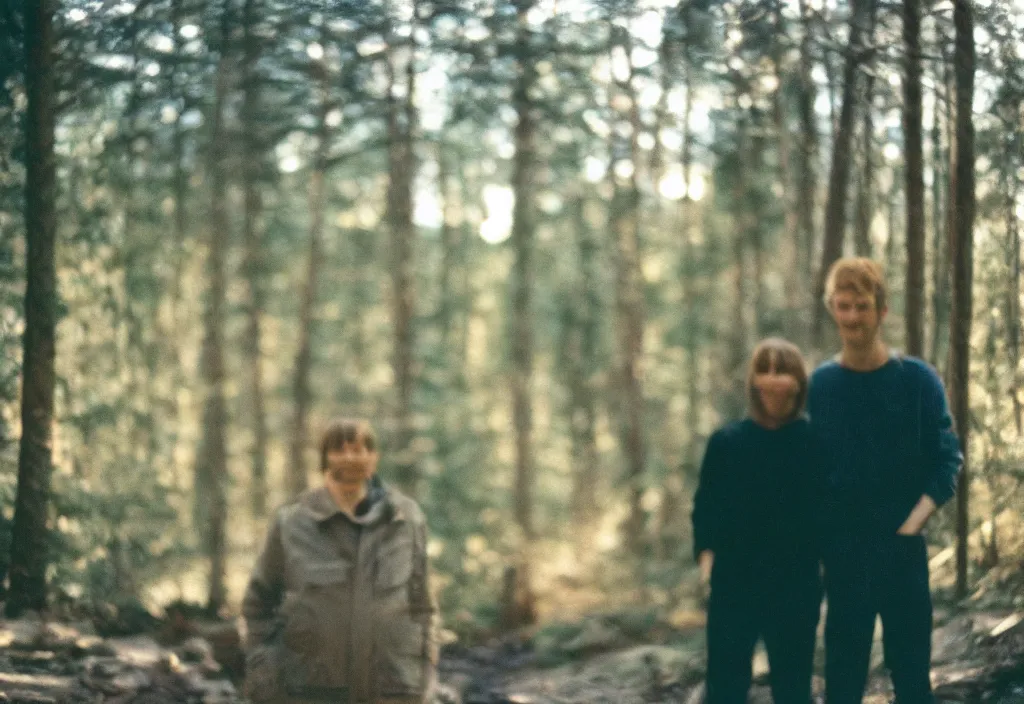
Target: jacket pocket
x=394, y=565
x=402, y=658
x=310, y=613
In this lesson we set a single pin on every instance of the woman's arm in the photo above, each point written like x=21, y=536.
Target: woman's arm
x=709, y=502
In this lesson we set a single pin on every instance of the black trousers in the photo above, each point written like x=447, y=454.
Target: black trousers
x=783, y=615
x=887, y=578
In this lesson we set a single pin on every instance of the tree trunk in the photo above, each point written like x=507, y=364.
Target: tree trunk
x=625, y=226
x=864, y=206
x=178, y=245
x=791, y=247
x=467, y=239
x=1013, y=291
x=962, y=251
x=180, y=174
x=891, y=228
x=136, y=309
x=450, y=232
x=914, y=173
x=524, y=179
x=583, y=349
x=754, y=231
x=401, y=167
x=807, y=152
x=30, y=535
x=253, y=263
x=940, y=232
x=839, y=176
x=991, y=558
x=297, y=477
x=987, y=466
x=211, y=458
x=739, y=342
x=688, y=287
x=132, y=246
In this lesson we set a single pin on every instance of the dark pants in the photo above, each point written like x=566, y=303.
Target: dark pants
x=784, y=616
x=887, y=579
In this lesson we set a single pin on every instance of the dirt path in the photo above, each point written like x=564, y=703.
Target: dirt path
x=977, y=657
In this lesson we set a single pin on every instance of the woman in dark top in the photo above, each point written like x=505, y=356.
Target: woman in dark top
x=755, y=534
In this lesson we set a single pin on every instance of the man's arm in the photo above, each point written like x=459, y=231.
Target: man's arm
x=920, y=514
x=941, y=450
x=266, y=587
x=423, y=605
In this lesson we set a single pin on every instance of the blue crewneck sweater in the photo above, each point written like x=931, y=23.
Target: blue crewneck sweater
x=888, y=439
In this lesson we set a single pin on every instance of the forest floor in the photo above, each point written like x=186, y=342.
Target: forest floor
x=978, y=656
x=622, y=657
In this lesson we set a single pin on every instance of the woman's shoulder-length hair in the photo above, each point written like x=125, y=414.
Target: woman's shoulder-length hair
x=782, y=357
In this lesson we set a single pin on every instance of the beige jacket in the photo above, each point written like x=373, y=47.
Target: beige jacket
x=338, y=608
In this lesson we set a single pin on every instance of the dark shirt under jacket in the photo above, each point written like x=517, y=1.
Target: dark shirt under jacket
x=757, y=503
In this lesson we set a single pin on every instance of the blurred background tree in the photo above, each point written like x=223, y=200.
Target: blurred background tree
x=533, y=242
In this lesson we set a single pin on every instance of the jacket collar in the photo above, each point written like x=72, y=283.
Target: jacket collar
x=320, y=504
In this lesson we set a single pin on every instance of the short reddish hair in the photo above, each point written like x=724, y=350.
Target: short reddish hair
x=858, y=275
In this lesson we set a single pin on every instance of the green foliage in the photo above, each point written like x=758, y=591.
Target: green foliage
x=133, y=140
x=110, y=544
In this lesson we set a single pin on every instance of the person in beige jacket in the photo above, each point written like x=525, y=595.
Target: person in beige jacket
x=338, y=607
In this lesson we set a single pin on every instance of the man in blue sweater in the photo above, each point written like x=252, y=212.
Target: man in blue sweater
x=893, y=459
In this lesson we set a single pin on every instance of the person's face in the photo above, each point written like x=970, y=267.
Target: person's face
x=350, y=465
x=858, y=317
x=778, y=393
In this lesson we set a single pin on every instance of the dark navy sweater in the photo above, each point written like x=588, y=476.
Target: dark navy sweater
x=756, y=503
x=888, y=438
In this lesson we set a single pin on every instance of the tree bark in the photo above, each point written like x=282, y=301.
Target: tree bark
x=891, y=228
x=583, y=353
x=914, y=174
x=1013, y=290
x=401, y=168
x=254, y=262
x=963, y=261
x=688, y=285
x=450, y=235
x=754, y=232
x=524, y=180
x=739, y=343
x=180, y=174
x=30, y=535
x=835, y=207
x=211, y=458
x=865, y=188
x=940, y=230
x=297, y=476
x=791, y=247
x=807, y=151
x=625, y=226
x=987, y=465
x=656, y=163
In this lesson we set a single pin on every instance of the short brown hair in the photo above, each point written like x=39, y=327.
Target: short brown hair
x=859, y=275
x=783, y=357
x=344, y=431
